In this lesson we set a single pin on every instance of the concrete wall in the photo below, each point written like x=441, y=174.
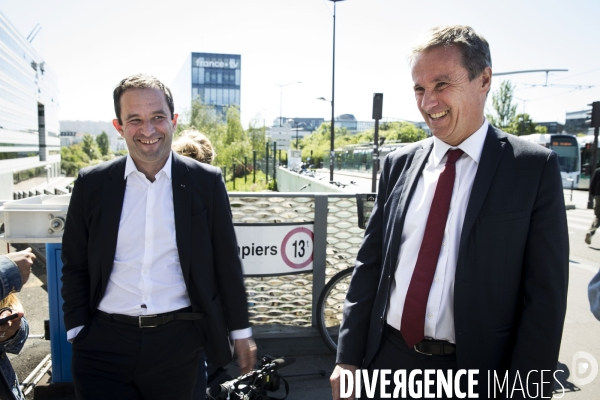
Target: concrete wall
x=6, y=185
x=288, y=181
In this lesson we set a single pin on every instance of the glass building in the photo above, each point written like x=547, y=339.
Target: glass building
x=29, y=128
x=214, y=79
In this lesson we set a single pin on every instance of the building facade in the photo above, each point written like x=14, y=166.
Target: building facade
x=213, y=79
x=29, y=129
x=577, y=122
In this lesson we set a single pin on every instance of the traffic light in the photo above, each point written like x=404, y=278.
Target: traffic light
x=594, y=113
x=378, y=105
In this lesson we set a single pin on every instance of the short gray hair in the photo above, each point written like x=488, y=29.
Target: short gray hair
x=474, y=49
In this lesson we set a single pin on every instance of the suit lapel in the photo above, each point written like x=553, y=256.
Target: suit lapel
x=406, y=189
x=182, y=205
x=491, y=154
x=113, y=194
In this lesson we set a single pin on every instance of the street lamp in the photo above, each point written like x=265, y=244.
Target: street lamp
x=296, y=134
x=331, y=147
x=281, y=95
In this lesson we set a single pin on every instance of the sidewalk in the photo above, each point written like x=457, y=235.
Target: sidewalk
x=308, y=376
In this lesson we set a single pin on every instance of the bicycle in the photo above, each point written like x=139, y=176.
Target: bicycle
x=330, y=307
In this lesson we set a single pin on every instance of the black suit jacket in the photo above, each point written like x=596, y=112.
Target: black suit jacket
x=206, y=243
x=511, y=277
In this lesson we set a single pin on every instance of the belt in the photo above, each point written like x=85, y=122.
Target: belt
x=151, y=321
x=428, y=347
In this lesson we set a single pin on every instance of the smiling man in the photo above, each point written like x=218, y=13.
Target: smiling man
x=151, y=276
x=464, y=263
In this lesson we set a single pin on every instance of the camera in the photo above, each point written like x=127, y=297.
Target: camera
x=254, y=385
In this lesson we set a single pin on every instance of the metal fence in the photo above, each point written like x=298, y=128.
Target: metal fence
x=291, y=299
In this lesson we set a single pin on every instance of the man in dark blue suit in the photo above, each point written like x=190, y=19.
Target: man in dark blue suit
x=464, y=263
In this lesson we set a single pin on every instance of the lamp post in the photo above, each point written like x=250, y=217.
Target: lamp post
x=331, y=147
x=281, y=96
x=296, y=134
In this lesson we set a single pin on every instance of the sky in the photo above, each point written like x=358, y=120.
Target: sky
x=92, y=45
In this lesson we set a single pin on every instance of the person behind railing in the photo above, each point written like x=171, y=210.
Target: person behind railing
x=194, y=144
x=15, y=269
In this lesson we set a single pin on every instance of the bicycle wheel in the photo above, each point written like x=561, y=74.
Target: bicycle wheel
x=330, y=307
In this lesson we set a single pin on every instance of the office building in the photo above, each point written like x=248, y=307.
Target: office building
x=577, y=122
x=29, y=129
x=552, y=127
x=213, y=79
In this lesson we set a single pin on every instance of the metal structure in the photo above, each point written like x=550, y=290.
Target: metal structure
x=287, y=300
x=291, y=299
x=332, y=139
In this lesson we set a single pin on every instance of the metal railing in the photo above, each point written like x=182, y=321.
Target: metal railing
x=291, y=299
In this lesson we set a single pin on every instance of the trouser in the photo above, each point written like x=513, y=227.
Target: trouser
x=395, y=355
x=113, y=360
x=596, y=221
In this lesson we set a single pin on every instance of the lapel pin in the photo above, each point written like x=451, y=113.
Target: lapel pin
x=182, y=185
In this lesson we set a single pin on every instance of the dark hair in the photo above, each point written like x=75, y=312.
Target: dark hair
x=474, y=49
x=141, y=81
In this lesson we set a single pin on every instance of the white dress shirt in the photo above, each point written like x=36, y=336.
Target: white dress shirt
x=146, y=278
x=439, y=318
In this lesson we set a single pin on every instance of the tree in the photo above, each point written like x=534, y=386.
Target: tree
x=502, y=103
x=103, y=143
x=521, y=124
x=90, y=147
x=257, y=135
x=72, y=159
x=319, y=141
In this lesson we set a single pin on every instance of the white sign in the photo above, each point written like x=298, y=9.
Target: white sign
x=232, y=63
x=275, y=249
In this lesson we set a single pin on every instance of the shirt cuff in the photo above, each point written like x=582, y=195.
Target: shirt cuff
x=241, y=334
x=72, y=333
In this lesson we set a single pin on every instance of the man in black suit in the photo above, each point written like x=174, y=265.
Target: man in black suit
x=464, y=263
x=595, y=193
x=151, y=275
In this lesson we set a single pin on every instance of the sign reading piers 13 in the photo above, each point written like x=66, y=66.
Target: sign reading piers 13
x=275, y=249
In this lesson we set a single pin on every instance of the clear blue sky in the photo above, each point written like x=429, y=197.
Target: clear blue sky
x=91, y=45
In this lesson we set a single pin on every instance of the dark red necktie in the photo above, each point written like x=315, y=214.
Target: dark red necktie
x=412, y=325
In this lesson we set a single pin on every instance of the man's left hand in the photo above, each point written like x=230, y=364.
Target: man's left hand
x=245, y=350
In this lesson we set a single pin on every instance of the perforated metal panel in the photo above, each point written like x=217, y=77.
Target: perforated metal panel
x=288, y=299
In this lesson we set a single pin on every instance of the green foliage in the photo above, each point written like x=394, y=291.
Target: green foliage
x=541, y=129
x=72, y=159
x=319, y=140
x=502, y=104
x=229, y=139
x=90, y=147
x=403, y=131
x=103, y=143
x=248, y=186
x=521, y=124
